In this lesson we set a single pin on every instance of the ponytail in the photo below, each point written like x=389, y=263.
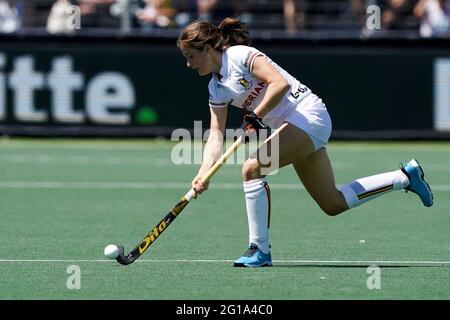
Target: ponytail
x=230, y=32
x=233, y=32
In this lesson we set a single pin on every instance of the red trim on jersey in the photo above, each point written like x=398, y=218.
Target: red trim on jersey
x=250, y=61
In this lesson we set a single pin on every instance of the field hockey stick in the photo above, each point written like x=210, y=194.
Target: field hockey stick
x=174, y=212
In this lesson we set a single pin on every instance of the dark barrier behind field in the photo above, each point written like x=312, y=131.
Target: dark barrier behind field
x=140, y=86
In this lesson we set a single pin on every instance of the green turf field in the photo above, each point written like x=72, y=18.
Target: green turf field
x=62, y=201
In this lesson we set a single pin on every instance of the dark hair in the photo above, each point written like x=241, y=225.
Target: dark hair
x=230, y=32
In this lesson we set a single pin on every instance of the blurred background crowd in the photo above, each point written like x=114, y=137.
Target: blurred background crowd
x=426, y=18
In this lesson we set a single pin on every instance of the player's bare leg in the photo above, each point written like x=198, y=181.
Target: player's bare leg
x=316, y=173
x=317, y=176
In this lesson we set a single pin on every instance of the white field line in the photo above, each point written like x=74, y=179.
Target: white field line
x=102, y=185
x=356, y=147
x=297, y=262
x=57, y=146
x=83, y=160
x=42, y=159
x=151, y=185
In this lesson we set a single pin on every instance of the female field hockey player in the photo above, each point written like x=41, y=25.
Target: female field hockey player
x=244, y=77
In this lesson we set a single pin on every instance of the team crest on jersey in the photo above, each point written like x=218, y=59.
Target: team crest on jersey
x=245, y=83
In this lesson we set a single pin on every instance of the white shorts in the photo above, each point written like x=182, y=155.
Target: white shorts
x=311, y=116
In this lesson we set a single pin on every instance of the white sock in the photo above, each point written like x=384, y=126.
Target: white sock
x=365, y=189
x=257, y=199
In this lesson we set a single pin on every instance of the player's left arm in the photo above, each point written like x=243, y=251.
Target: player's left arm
x=277, y=86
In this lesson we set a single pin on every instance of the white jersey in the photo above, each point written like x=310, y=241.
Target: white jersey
x=238, y=87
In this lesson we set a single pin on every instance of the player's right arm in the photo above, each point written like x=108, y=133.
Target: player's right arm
x=213, y=148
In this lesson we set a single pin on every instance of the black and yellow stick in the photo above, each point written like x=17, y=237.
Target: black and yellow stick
x=174, y=212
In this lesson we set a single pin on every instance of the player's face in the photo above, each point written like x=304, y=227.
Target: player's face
x=198, y=60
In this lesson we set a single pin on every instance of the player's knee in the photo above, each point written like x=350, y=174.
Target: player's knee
x=250, y=171
x=333, y=209
x=333, y=203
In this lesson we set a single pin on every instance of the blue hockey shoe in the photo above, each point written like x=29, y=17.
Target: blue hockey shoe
x=254, y=258
x=417, y=183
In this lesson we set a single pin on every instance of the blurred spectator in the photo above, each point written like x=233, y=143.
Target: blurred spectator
x=358, y=11
x=205, y=9
x=59, y=16
x=156, y=14
x=294, y=12
x=396, y=13
x=186, y=11
x=10, y=20
x=96, y=14
x=433, y=16
x=92, y=6
x=231, y=8
x=210, y=10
